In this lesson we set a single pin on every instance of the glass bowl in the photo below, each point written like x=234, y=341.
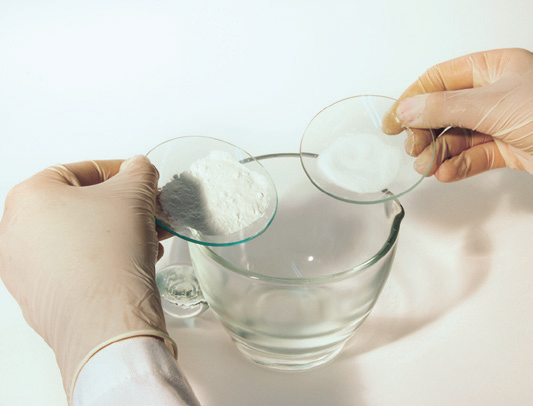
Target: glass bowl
x=292, y=297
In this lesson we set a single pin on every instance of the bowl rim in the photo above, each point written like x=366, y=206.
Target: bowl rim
x=387, y=246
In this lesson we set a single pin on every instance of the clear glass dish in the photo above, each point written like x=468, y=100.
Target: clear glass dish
x=345, y=153
x=174, y=158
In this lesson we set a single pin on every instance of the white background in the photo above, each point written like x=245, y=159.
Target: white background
x=110, y=79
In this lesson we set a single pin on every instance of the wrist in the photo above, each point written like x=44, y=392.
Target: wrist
x=135, y=371
x=153, y=334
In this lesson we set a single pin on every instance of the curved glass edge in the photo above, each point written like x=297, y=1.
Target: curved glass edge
x=385, y=248
x=197, y=136
x=384, y=192
x=217, y=244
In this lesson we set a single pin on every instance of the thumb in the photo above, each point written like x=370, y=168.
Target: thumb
x=459, y=108
x=497, y=109
x=135, y=181
x=141, y=169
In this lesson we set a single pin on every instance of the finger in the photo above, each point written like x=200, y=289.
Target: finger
x=417, y=140
x=448, y=145
x=451, y=75
x=160, y=251
x=462, y=108
x=465, y=72
x=491, y=109
x=163, y=234
x=85, y=173
x=141, y=169
x=473, y=161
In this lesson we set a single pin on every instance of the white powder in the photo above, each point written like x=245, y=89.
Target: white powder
x=361, y=163
x=217, y=196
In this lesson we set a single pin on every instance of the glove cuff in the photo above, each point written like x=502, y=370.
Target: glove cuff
x=169, y=343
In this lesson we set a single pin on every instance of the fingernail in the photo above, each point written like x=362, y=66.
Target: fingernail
x=410, y=109
x=391, y=125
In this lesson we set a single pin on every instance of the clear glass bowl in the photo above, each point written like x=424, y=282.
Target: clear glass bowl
x=357, y=162
x=292, y=297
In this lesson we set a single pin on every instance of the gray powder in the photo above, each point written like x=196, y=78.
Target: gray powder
x=217, y=196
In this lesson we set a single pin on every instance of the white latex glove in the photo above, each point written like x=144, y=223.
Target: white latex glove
x=78, y=247
x=487, y=98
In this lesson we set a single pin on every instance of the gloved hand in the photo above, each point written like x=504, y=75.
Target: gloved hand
x=78, y=247
x=487, y=98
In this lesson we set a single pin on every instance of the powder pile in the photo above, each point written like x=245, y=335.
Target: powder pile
x=217, y=196
x=362, y=163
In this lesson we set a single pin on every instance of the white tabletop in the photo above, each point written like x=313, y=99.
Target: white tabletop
x=110, y=79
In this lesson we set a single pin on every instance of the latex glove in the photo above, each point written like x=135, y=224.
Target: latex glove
x=487, y=97
x=78, y=247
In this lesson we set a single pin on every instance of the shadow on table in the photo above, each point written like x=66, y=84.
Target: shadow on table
x=426, y=282
x=425, y=285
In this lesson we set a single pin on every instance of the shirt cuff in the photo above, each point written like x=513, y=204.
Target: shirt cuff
x=136, y=371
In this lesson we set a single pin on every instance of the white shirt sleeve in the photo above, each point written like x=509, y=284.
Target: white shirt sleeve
x=134, y=372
